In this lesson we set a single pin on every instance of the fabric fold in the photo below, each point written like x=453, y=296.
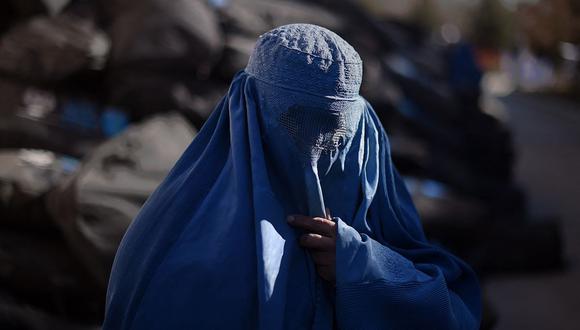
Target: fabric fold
x=388, y=275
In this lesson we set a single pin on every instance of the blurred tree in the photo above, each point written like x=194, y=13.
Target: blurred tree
x=547, y=23
x=426, y=14
x=388, y=8
x=492, y=25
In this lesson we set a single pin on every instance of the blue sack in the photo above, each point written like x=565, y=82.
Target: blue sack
x=211, y=248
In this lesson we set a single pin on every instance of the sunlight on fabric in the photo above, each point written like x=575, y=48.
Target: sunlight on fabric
x=273, y=255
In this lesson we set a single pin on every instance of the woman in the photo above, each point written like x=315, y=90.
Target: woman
x=237, y=236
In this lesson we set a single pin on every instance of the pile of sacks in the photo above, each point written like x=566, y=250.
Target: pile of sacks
x=99, y=100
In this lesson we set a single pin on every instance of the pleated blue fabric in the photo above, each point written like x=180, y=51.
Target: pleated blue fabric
x=211, y=248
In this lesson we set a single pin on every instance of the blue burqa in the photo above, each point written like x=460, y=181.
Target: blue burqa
x=211, y=248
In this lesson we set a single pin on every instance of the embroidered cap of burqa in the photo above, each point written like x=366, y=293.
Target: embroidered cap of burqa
x=211, y=248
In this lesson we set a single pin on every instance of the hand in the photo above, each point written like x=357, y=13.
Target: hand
x=320, y=240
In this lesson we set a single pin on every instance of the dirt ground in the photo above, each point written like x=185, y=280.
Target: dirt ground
x=547, y=137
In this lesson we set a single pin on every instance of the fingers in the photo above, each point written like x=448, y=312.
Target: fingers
x=317, y=242
x=320, y=240
x=321, y=226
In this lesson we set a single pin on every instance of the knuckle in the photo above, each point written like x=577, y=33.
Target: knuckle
x=314, y=236
x=309, y=238
x=320, y=221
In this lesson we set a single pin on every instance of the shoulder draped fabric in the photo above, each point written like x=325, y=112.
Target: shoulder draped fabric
x=211, y=248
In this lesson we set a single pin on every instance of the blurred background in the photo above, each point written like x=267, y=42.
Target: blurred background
x=480, y=99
